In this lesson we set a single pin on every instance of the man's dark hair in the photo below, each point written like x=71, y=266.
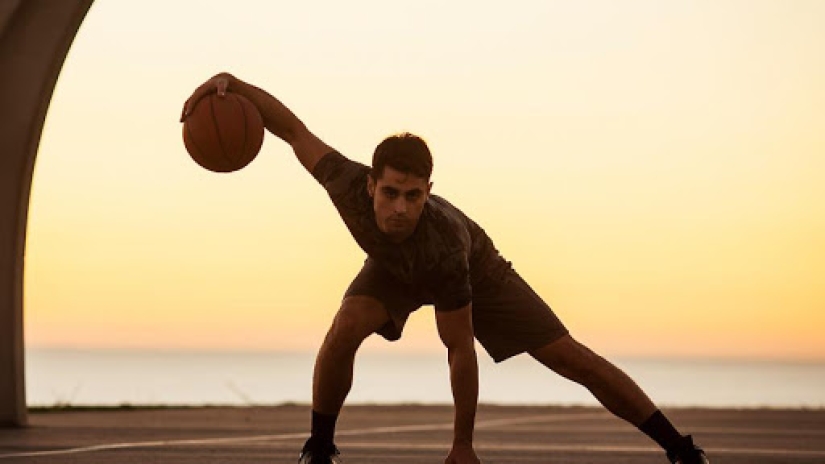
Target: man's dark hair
x=404, y=152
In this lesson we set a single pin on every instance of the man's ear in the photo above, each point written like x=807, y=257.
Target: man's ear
x=429, y=187
x=370, y=186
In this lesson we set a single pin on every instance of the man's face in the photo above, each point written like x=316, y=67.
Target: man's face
x=398, y=199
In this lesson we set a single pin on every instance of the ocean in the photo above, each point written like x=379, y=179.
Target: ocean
x=69, y=377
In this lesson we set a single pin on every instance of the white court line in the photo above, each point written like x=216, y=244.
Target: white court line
x=433, y=446
x=754, y=431
x=154, y=444
x=291, y=436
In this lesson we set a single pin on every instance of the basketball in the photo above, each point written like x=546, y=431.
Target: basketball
x=223, y=134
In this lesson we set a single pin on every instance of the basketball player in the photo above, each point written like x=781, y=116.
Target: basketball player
x=422, y=250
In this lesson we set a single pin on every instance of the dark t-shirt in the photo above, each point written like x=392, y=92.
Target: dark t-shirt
x=446, y=255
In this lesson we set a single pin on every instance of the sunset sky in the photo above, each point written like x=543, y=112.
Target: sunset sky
x=655, y=170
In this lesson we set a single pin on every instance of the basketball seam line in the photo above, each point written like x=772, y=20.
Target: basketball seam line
x=194, y=142
x=218, y=131
x=245, y=129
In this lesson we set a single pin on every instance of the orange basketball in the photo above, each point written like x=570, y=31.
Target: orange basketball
x=223, y=134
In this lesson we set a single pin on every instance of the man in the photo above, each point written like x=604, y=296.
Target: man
x=422, y=250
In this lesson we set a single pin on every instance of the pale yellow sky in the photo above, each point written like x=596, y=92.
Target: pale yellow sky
x=656, y=170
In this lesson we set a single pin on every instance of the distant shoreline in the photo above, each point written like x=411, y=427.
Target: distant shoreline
x=402, y=354
x=161, y=407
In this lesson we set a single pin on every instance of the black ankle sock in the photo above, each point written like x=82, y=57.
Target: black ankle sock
x=323, y=429
x=662, y=431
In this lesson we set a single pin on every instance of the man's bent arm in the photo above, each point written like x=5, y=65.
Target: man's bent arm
x=456, y=331
x=278, y=119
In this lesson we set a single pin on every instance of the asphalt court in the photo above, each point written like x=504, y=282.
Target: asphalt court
x=405, y=434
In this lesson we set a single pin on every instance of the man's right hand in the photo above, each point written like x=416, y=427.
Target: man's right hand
x=218, y=83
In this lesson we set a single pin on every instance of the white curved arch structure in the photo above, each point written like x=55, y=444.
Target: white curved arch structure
x=35, y=36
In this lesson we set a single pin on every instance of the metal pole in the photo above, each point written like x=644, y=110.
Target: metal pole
x=35, y=36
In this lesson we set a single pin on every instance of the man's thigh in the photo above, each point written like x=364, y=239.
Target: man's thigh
x=359, y=316
x=398, y=299
x=509, y=318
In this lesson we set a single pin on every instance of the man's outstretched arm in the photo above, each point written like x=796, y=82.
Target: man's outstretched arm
x=456, y=331
x=278, y=119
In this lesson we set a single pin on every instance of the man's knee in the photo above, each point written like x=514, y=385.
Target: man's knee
x=569, y=358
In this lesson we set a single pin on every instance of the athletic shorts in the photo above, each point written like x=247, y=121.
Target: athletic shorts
x=509, y=318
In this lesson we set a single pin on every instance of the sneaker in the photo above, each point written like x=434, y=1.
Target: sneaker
x=328, y=456
x=688, y=453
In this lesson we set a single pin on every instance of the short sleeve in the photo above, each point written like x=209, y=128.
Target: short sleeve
x=335, y=167
x=344, y=180
x=450, y=282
